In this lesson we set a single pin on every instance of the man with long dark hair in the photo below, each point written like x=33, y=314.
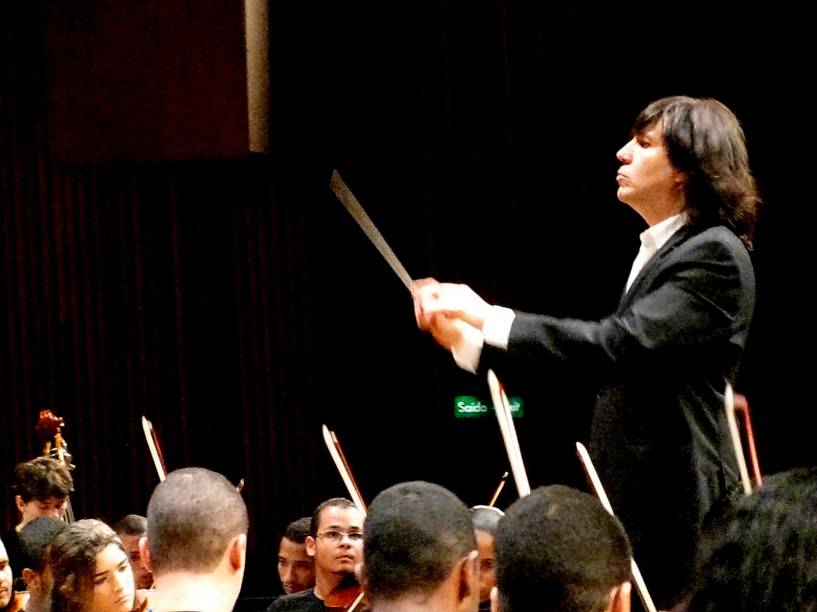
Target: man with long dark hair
x=661, y=360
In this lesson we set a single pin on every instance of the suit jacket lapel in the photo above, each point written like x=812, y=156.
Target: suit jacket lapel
x=653, y=265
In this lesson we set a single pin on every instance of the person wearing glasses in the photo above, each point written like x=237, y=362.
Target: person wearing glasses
x=336, y=545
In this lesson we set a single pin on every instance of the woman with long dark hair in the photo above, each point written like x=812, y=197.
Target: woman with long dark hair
x=91, y=570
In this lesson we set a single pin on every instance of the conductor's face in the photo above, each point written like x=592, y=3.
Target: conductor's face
x=647, y=180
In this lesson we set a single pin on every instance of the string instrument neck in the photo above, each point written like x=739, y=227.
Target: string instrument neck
x=49, y=428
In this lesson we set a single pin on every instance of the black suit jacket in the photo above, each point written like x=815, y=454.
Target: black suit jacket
x=659, y=438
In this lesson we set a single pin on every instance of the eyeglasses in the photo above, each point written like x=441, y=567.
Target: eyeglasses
x=336, y=535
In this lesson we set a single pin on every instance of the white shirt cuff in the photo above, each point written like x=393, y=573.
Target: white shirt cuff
x=467, y=351
x=497, y=326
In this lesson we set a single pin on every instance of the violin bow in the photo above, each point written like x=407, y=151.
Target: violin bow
x=336, y=452
x=506, y=426
x=729, y=406
x=355, y=603
x=498, y=489
x=742, y=409
x=333, y=446
x=155, y=450
x=595, y=482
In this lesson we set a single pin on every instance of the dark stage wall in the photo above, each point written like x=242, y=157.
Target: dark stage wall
x=233, y=302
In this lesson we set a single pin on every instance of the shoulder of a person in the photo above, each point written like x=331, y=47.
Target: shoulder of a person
x=295, y=601
x=715, y=241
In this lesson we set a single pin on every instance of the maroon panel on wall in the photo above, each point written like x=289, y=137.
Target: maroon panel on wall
x=146, y=80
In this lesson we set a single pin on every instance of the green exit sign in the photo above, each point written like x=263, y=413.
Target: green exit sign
x=472, y=407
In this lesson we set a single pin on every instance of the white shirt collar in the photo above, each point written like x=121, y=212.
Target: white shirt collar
x=652, y=239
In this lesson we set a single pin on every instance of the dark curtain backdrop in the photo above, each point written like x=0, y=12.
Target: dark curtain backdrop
x=235, y=304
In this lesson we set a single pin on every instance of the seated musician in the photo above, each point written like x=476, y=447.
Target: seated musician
x=296, y=569
x=335, y=543
x=558, y=549
x=35, y=538
x=130, y=529
x=41, y=488
x=419, y=551
x=90, y=570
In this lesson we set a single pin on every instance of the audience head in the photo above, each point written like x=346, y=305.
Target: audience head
x=759, y=554
x=420, y=548
x=485, y=520
x=41, y=488
x=558, y=549
x=130, y=529
x=90, y=570
x=296, y=569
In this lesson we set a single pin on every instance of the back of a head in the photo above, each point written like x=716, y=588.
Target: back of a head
x=558, y=549
x=704, y=139
x=132, y=525
x=414, y=534
x=298, y=529
x=35, y=538
x=192, y=517
x=486, y=518
x=760, y=554
x=42, y=478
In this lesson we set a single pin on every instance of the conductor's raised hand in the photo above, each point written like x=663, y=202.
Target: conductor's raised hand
x=454, y=301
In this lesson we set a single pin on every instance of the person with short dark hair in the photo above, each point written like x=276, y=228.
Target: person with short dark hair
x=759, y=555
x=41, y=488
x=660, y=362
x=485, y=520
x=419, y=551
x=296, y=569
x=131, y=528
x=559, y=550
x=335, y=543
x=35, y=538
x=90, y=570
x=196, y=542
